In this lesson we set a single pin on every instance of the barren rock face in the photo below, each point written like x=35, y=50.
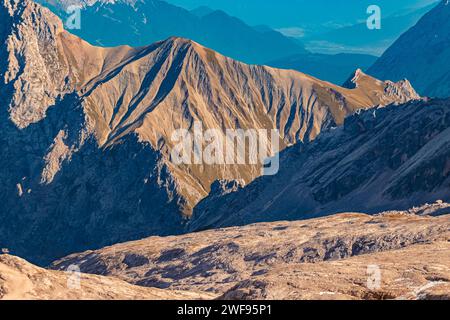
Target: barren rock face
x=320, y=258
x=402, y=276
x=381, y=159
x=20, y=280
x=87, y=131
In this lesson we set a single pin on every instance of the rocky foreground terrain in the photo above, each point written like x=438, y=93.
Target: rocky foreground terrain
x=321, y=258
x=22, y=280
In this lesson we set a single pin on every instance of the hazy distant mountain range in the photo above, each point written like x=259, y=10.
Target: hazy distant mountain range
x=331, y=67
x=326, y=26
x=395, y=157
x=357, y=38
x=422, y=54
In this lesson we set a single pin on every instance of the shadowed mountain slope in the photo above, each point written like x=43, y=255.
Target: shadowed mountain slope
x=390, y=158
x=333, y=68
x=421, y=54
x=324, y=258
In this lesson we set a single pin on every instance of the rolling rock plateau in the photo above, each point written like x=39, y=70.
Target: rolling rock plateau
x=393, y=157
x=86, y=136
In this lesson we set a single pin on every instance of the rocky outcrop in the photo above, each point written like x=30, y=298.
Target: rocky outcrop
x=86, y=131
x=320, y=258
x=20, y=280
